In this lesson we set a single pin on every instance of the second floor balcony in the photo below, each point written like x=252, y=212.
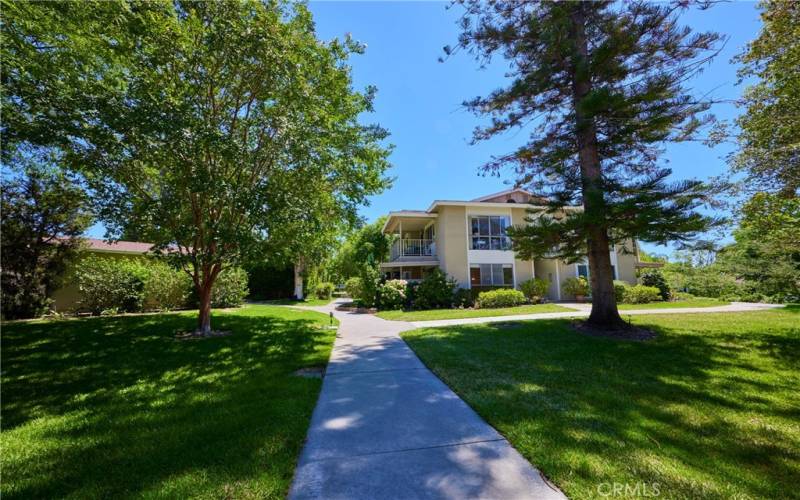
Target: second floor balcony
x=413, y=249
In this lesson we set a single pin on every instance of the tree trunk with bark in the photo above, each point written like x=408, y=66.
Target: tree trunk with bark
x=204, y=284
x=299, y=268
x=604, y=305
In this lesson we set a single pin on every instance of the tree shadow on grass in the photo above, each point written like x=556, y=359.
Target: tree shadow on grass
x=117, y=407
x=699, y=411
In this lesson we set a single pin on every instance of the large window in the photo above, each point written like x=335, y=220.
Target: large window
x=491, y=275
x=489, y=232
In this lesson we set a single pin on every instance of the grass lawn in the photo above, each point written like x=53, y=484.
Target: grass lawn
x=115, y=407
x=469, y=313
x=709, y=409
x=699, y=302
x=309, y=301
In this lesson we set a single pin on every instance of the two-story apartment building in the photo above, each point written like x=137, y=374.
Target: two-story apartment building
x=467, y=240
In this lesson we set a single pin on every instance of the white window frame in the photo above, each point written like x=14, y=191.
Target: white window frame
x=506, y=224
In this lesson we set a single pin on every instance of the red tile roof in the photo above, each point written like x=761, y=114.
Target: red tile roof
x=118, y=246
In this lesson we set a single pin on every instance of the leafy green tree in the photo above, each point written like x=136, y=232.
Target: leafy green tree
x=766, y=254
x=222, y=129
x=45, y=210
x=366, y=246
x=600, y=86
x=769, y=137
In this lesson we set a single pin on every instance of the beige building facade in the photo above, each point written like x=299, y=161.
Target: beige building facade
x=467, y=240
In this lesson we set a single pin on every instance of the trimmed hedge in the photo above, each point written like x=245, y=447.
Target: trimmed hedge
x=620, y=289
x=500, y=298
x=110, y=285
x=641, y=294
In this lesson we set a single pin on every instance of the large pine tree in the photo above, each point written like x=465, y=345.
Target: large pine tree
x=600, y=87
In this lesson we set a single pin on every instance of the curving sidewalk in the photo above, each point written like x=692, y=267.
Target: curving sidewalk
x=582, y=310
x=386, y=427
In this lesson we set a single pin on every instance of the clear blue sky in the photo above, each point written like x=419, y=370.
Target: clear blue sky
x=419, y=99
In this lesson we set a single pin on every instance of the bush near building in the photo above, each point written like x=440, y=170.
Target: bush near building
x=500, y=298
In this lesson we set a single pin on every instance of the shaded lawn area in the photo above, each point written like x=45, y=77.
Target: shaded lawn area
x=115, y=407
x=699, y=302
x=469, y=313
x=709, y=409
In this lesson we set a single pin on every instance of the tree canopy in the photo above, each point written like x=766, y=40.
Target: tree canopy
x=221, y=129
x=769, y=136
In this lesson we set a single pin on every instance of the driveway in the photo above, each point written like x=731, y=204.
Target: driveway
x=385, y=427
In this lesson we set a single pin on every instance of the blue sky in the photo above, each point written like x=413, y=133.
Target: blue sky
x=419, y=99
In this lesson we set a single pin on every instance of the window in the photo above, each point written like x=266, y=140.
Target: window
x=489, y=233
x=491, y=275
x=583, y=270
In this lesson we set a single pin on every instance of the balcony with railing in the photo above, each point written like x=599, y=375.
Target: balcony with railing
x=413, y=249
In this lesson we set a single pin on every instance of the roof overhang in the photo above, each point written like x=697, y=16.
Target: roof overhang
x=393, y=217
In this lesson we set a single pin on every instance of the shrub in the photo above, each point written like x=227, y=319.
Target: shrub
x=462, y=297
x=501, y=298
x=353, y=287
x=392, y=294
x=642, y=294
x=620, y=289
x=534, y=289
x=230, y=288
x=369, y=286
x=166, y=288
x=435, y=291
x=576, y=286
x=108, y=284
x=654, y=277
x=682, y=296
x=324, y=290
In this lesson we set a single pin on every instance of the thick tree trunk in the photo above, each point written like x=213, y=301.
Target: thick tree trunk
x=604, y=305
x=298, y=279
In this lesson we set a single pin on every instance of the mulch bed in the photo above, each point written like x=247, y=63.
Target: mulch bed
x=630, y=333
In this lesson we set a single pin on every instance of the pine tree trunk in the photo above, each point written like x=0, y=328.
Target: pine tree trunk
x=604, y=305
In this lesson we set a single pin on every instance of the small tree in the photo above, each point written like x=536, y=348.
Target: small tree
x=45, y=211
x=600, y=87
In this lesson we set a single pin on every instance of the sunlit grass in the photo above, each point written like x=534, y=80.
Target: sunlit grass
x=432, y=314
x=709, y=409
x=698, y=302
x=116, y=407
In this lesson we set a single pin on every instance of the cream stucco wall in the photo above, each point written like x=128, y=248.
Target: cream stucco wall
x=523, y=269
x=451, y=233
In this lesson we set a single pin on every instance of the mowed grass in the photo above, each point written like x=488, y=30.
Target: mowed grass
x=115, y=407
x=709, y=409
x=432, y=314
x=698, y=302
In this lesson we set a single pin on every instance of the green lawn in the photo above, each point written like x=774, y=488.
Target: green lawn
x=469, y=313
x=709, y=409
x=698, y=302
x=115, y=407
x=309, y=301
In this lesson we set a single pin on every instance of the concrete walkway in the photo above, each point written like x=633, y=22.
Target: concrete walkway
x=582, y=310
x=385, y=427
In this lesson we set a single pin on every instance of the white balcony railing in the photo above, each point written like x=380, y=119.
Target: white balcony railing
x=413, y=248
